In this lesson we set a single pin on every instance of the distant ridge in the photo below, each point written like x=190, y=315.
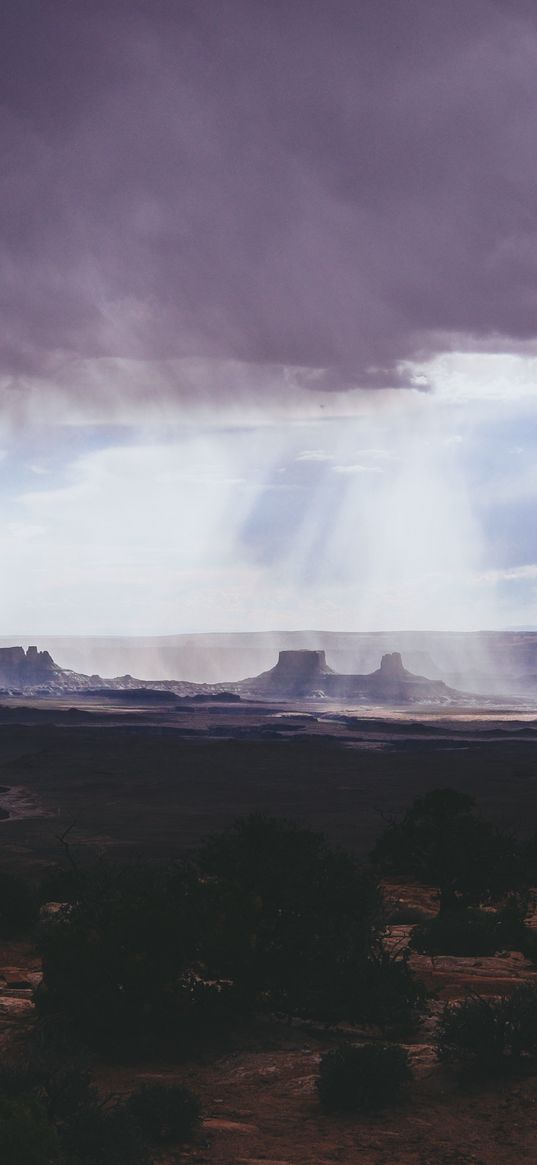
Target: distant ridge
x=492, y=662
x=298, y=674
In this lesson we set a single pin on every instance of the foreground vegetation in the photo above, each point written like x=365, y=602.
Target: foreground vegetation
x=267, y=918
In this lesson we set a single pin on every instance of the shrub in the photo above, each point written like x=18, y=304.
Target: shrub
x=485, y=1036
x=104, y=1136
x=18, y=906
x=27, y=1137
x=528, y=945
x=443, y=842
x=300, y=919
x=164, y=1112
x=389, y=994
x=55, y=1104
x=401, y=913
x=113, y=963
x=363, y=1077
x=469, y=932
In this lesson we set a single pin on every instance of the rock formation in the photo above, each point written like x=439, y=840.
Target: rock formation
x=297, y=675
x=20, y=668
x=301, y=674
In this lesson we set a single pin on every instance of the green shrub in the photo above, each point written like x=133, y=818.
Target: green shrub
x=27, y=1137
x=164, y=1112
x=363, y=1077
x=469, y=932
x=485, y=1036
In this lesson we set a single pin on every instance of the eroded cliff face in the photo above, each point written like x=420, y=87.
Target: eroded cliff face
x=22, y=668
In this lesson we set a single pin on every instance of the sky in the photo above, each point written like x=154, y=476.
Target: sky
x=268, y=276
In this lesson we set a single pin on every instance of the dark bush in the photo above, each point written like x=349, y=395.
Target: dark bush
x=299, y=918
x=165, y=1113
x=153, y=959
x=485, y=1036
x=399, y=913
x=27, y=1137
x=389, y=994
x=55, y=1103
x=18, y=905
x=59, y=884
x=104, y=1136
x=469, y=932
x=363, y=1077
x=528, y=945
x=113, y=964
x=443, y=842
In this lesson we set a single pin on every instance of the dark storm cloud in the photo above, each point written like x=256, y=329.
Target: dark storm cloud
x=343, y=185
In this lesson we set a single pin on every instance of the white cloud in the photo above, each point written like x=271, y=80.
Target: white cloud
x=357, y=469
x=314, y=455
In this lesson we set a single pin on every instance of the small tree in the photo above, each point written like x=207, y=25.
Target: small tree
x=363, y=1077
x=442, y=841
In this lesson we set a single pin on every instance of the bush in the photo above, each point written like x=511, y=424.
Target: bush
x=27, y=1137
x=104, y=1136
x=469, y=932
x=147, y=958
x=363, y=1077
x=54, y=1104
x=443, y=842
x=18, y=906
x=401, y=913
x=164, y=1112
x=486, y=1036
x=112, y=965
x=389, y=994
x=300, y=919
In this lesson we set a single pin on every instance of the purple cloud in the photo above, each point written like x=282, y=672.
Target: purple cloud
x=344, y=185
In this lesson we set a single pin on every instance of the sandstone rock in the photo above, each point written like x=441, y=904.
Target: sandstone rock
x=306, y=674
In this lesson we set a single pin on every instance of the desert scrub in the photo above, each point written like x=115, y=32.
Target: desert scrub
x=363, y=1077
x=483, y=1036
x=164, y=1113
x=469, y=932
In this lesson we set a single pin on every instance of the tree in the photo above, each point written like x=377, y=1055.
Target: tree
x=442, y=841
x=312, y=917
x=114, y=962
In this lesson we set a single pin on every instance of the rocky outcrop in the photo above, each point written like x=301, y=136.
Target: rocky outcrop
x=297, y=673
x=20, y=668
x=301, y=674
x=307, y=674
